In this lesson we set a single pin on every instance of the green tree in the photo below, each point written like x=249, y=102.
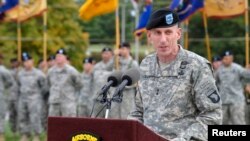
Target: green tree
x=63, y=32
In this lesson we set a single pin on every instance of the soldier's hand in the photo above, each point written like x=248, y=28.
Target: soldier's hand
x=247, y=88
x=117, y=52
x=248, y=66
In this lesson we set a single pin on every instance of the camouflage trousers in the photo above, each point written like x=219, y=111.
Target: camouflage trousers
x=122, y=110
x=82, y=111
x=29, y=116
x=98, y=111
x=65, y=109
x=44, y=113
x=12, y=108
x=234, y=114
x=248, y=114
x=2, y=112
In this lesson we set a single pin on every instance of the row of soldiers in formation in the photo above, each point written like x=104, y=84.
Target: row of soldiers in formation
x=63, y=91
x=34, y=95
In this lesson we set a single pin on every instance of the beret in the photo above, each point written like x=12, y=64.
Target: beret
x=162, y=18
x=26, y=56
x=61, y=51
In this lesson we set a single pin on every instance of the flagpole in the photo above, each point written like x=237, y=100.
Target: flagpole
x=19, y=34
x=117, y=23
x=137, y=43
x=45, y=18
x=123, y=25
x=186, y=23
x=206, y=36
x=247, y=32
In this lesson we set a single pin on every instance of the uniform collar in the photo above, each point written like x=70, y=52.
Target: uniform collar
x=173, y=69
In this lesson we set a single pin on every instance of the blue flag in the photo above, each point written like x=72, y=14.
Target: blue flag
x=144, y=17
x=186, y=8
x=7, y=4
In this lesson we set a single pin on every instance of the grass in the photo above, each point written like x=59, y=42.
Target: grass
x=10, y=136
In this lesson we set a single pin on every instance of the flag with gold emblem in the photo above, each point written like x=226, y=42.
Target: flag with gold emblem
x=224, y=8
x=25, y=10
x=92, y=8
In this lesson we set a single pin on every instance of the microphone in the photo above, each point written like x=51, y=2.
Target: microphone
x=130, y=77
x=113, y=80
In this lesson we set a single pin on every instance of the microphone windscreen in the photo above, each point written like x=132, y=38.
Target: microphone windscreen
x=116, y=77
x=132, y=76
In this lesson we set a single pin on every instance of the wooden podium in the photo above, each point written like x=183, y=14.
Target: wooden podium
x=67, y=129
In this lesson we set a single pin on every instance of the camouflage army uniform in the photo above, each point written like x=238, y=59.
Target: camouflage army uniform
x=13, y=101
x=45, y=108
x=121, y=110
x=6, y=82
x=32, y=85
x=63, y=83
x=84, y=104
x=100, y=74
x=230, y=84
x=180, y=100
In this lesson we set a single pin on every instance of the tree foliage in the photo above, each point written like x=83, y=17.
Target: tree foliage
x=63, y=32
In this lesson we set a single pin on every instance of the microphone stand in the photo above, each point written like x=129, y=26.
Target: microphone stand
x=108, y=108
x=117, y=97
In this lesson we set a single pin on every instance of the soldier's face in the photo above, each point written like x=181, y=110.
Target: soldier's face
x=227, y=60
x=106, y=55
x=216, y=64
x=61, y=59
x=124, y=51
x=87, y=67
x=51, y=63
x=164, y=40
x=28, y=64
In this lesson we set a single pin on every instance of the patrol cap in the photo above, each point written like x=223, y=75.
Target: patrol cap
x=124, y=44
x=216, y=58
x=162, y=18
x=61, y=51
x=106, y=49
x=51, y=57
x=88, y=60
x=26, y=56
x=227, y=53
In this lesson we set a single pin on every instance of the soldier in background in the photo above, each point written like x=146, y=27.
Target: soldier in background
x=45, y=108
x=51, y=61
x=100, y=74
x=6, y=82
x=84, y=104
x=13, y=96
x=126, y=61
x=216, y=62
x=42, y=65
x=63, y=81
x=177, y=96
x=229, y=78
x=32, y=84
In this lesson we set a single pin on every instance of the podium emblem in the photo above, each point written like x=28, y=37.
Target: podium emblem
x=86, y=136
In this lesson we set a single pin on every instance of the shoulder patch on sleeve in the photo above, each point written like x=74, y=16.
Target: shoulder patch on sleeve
x=214, y=97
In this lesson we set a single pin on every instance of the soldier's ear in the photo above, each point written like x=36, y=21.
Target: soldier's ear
x=149, y=36
x=179, y=32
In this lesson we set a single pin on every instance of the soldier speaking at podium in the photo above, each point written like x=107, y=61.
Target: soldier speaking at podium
x=177, y=96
